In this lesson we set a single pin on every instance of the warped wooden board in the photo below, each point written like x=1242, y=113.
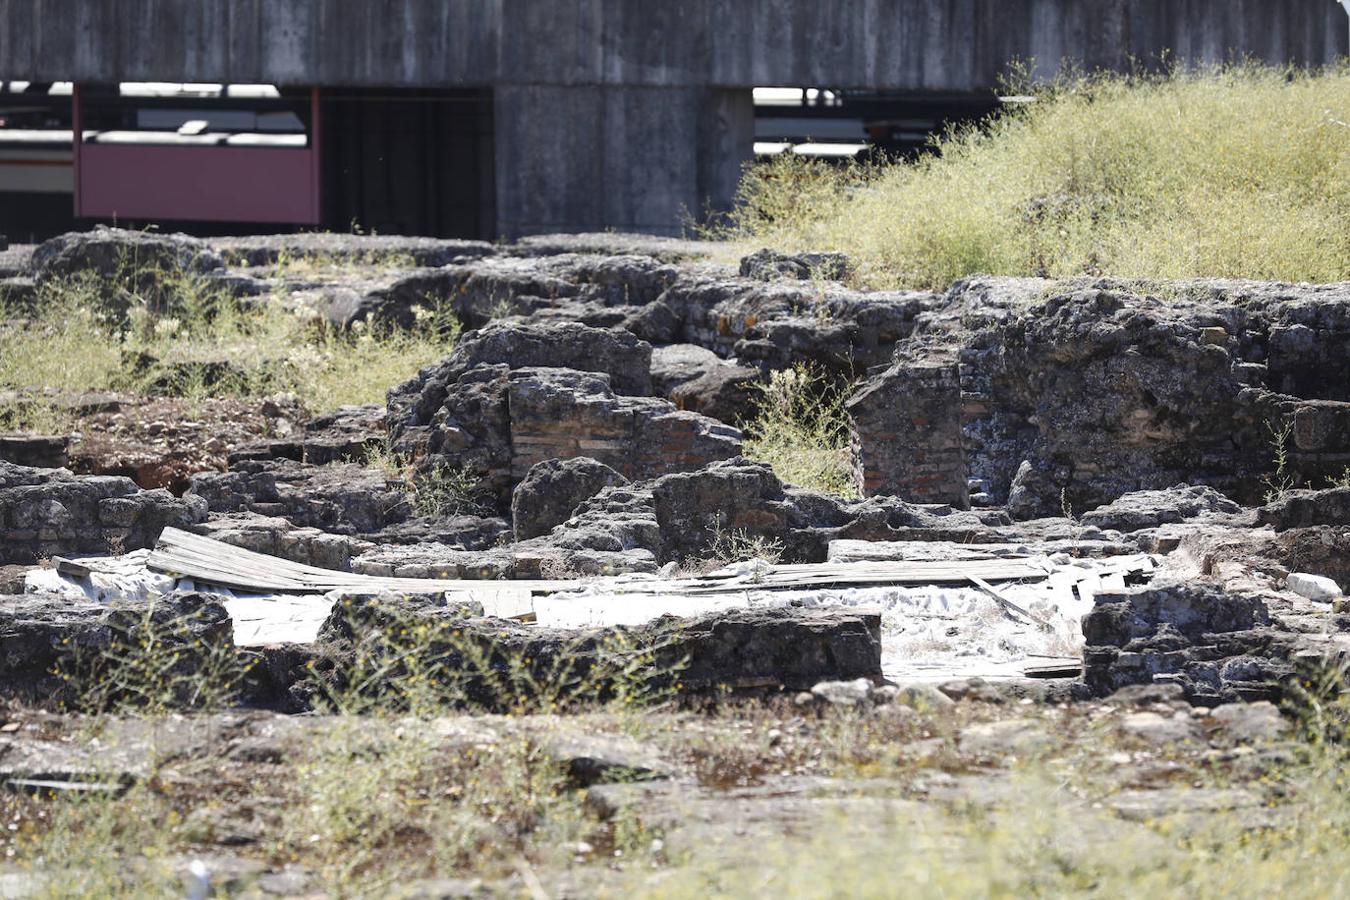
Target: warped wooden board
x=203, y=559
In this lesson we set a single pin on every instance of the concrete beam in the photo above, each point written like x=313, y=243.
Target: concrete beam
x=950, y=45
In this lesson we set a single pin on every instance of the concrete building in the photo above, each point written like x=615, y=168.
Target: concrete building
x=506, y=117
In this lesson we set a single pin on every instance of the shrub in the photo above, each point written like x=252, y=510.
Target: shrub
x=1236, y=172
x=801, y=429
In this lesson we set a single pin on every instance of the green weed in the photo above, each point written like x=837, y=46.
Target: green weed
x=1237, y=172
x=801, y=429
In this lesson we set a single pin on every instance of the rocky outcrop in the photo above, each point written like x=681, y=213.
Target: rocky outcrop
x=737, y=650
x=553, y=489
x=1301, y=509
x=49, y=512
x=52, y=647
x=1149, y=509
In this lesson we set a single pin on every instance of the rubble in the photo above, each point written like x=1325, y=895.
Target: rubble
x=48, y=512
x=553, y=489
x=586, y=425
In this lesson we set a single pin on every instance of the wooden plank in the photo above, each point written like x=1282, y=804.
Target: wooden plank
x=71, y=567
x=213, y=562
x=1008, y=604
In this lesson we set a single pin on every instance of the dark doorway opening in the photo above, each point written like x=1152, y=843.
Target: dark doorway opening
x=408, y=162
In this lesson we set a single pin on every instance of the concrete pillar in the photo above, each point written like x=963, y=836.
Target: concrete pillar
x=726, y=143
x=591, y=158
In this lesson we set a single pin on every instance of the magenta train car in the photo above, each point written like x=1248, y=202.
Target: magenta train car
x=196, y=170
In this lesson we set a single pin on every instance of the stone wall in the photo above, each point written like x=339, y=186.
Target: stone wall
x=558, y=413
x=907, y=436
x=1072, y=393
x=50, y=512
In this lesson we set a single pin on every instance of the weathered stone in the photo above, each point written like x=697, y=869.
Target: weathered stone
x=500, y=423
x=680, y=516
x=617, y=353
x=47, y=512
x=341, y=498
x=1314, y=587
x=543, y=557
x=1074, y=393
x=1186, y=609
x=1301, y=509
x=147, y=263
x=769, y=265
x=754, y=649
x=924, y=697
x=344, y=248
x=42, y=636
x=44, y=451
x=1158, y=729
x=1249, y=723
x=610, y=243
x=1149, y=695
x=347, y=434
x=1010, y=737
x=1149, y=509
x=553, y=489
x=697, y=379
x=857, y=692
x=1217, y=645
x=776, y=325
x=276, y=536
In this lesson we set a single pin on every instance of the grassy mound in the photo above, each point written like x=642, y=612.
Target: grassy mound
x=1240, y=172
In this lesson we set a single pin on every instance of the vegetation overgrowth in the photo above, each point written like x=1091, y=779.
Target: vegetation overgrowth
x=395, y=786
x=177, y=334
x=801, y=429
x=1235, y=172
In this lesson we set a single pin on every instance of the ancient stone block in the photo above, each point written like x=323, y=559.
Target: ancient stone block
x=907, y=437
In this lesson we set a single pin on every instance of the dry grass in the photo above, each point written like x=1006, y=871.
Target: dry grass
x=801, y=429
x=200, y=344
x=1239, y=172
x=370, y=804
